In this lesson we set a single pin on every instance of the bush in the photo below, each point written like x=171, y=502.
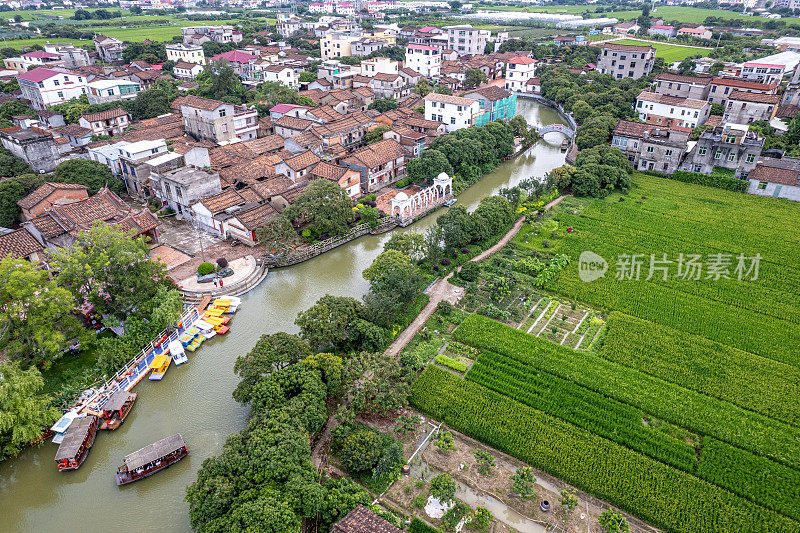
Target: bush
x=418, y=502
x=443, y=488
x=470, y=271
x=361, y=450
x=454, y=515
x=205, y=268
x=444, y=308
x=418, y=526
x=710, y=180
x=222, y=262
x=445, y=262
x=403, y=183
x=459, y=366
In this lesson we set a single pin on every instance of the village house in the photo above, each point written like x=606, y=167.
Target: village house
x=186, y=71
x=730, y=146
x=34, y=59
x=49, y=194
x=288, y=126
x=362, y=520
x=722, y=87
x=518, y=71
x=240, y=61
x=75, y=134
x=110, y=123
x=109, y=49
x=664, y=31
x=133, y=171
x=186, y=53
x=744, y=107
x=425, y=59
x=379, y=65
x=347, y=178
x=651, y=147
x=45, y=87
x=104, y=91
x=680, y=86
x=389, y=86
x=34, y=146
x=213, y=213
x=379, y=164
x=280, y=74
x=454, y=111
x=658, y=108
x=498, y=103
x=72, y=56
x=298, y=168
x=217, y=121
x=776, y=178
x=698, y=33
x=181, y=187
x=21, y=244
x=625, y=60
x=197, y=35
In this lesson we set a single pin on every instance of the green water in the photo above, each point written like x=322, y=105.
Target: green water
x=195, y=400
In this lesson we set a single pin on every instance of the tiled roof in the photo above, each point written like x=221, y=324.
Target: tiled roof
x=446, y=98
x=787, y=111
x=185, y=66
x=222, y=201
x=73, y=130
x=680, y=78
x=45, y=190
x=382, y=76
x=20, y=244
x=304, y=160
x=493, y=92
x=272, y=185
x=744, y=84
x=521, y=61
x=250, y=171
x=235, y=56
x=199, y=103
x=691, y=103
x=378, y=153
x=362, y=520
x=105, y=115
x=325, y=112
x=758, y=98
x=231, y=154
x=329, y=171
x=38, y=74
x=294, y=123
x=628, y=128
x=257, y=217
x=782, y=176
x=265, y=145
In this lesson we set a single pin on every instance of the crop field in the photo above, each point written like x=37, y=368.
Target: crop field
x=669, y=52
x=693, y=388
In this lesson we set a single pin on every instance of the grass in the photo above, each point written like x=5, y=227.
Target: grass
x=669, y=52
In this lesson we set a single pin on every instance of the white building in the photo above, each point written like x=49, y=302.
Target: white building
x=454, y=111
x=188, y=53
x=45, y=87
x=379, y=65
x=427, y=60
x=686, y=112
x=281, y=74
x=34, y=59
x=466, y=40
x=186, y=71
x=102, y=91
x=518, y=71
x=109, y=155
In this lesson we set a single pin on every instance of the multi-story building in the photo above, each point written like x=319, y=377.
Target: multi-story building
x=721, y=88
x=389, y=86
x=337, y=44
x=73, y=56
x=281, y=74
x=109, y=49
x=188, y=53
x=104, y=91
x=379, y=164
x=744, y=107
x=791, y=96
x=519, y=70
x=425, y=59
x=730, y=146
x=651, y=147
x=111, y=122
x=34, y=146
x=218, y=121
x=379, y=65
x=186, y=71
x=466, y=40
x=109, y=155
x=180, y=188
x=45, y=87
x=498, y=103
x=34, y=59
x=241, y=62
x=288, y=26
x=455, y=112
x=134, y=159
x=763, y=71
x=219, y=34
x=680, y=86
x=664, y=31
x=625, y=60
x=660, y=109
x=366, y=45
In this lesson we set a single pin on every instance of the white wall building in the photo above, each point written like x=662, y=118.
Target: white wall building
x=379, y=65
x=466, y=40
x=188, y=53
x=518, y=71
x=427, y=60
x=45, y=87
x=686, y=112
x=454, y=111
x=102, y=91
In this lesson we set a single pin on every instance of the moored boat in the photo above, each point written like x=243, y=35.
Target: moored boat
x=60, y=428
x=177, y=352
x=151, y=459
x=76, y=444
x=449, y=202
x=117, y=408
x=159, y=365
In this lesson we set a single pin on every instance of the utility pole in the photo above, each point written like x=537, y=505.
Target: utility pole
x=200, y=239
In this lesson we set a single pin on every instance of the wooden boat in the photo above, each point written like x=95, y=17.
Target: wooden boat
x=159, y=365
x=117, y=408
x=151, y=459
x=76, y=444
x=177, y=352
x=564, y=145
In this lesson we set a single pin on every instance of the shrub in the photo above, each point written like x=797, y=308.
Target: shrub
x=454, y=515
x=485, y=461
x=444, y=441
x=205, y=268
x=361, y=450
x=403, y=183
x=418, y=502
x=418, y=526
x=407, y=423
x=391, y=459
x=470, y=271
x=445, y=262
x=523, y=481
x=222, y=262
x=482, y=519
x=443, y=488
x=459, y=366
x=613, y=522
x=444, y=308
x=719, y=181
x=465, y=250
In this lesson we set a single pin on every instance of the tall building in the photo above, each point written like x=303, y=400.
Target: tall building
x=188, y=53
x=427, y=60
x=625, y=60
x=466, y=40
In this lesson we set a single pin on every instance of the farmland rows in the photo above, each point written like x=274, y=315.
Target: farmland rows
x=586, y=409
x=742, y=378
x=686, y=408
x=623, y=424
x=664, y=496
x=774, y=292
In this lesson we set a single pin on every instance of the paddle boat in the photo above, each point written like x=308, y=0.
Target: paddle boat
x=177, y=352
x=159, y=365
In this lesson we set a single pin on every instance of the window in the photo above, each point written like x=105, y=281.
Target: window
x=697, y=168
x=718, y=154
x=730, y=139
x=731, y=157
x=60, y=94
x=668, y=152
x=762, y=185
x=639, y=103
x=750, y=158
x=650, y=149
x=452, y=120
x=221, y=112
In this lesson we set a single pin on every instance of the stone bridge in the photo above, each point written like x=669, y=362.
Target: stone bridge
x=568, y=132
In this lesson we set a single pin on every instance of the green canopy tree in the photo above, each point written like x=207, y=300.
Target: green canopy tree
x=327, y=323
x=92, y=174
x=474, y=77
x=324, y=206
x=12, y=190
x=35, y=312
x=383, y=104
x=271, y=352
x=393, y=274
x=428, y=165
x=218, y=80
x=24, y=411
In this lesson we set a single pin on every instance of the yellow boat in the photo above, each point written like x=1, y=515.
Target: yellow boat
x=159, y=365
x=213, y=312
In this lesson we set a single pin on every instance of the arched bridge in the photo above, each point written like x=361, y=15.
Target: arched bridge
x=568, y=132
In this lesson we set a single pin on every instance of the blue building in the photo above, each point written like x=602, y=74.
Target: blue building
x=498, y=102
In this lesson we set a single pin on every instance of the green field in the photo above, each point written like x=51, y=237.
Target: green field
x=669, y=52
x=686, y=415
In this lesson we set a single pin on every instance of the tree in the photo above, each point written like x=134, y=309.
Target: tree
x=441, y=88
x=135, y=10
x=376, y=134
x=393, y=274
x=457, y=227
x=148, y=52
x=717, y=109
x=410, y=244
x=110, y=269
x=568, y=500
x=324, y=206
x=11, y=165
x=428, y=165
x=474, y=77
x=383, y=104
x=327, y=324
x=278, y=235
x=154, y=101
x=595, y=130
x=35, y=314
x=342, y=496
x=307, y=77
x=485, y=461
x=716, y=67
x=271, y=353
x=519, y=124
x=686, y=67
x=581, y=111
x=482, y=519
x=793, y=132
x=422, y=88
x=361, y=450
x=613, y=522
x=92, y=174
x=522, y=482
x=12, y=190
x=443, y=488
x=219, y=80
x=24, y=411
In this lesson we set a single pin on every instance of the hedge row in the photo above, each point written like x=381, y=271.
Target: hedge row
x=418, y=526
x=662, y=495
x=742, y=378
x=717, y=181
x=586, y=409
x=455, y=364
x=667, y=401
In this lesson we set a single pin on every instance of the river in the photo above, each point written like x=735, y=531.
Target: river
x=195, y=398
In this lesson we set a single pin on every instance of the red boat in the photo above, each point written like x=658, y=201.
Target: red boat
x=76, y=444
x=117, y=408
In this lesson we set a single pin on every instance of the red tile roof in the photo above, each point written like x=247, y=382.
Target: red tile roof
x=782, y=176
x=20, y=244
x=45, y=190
x=235, y=56
x=38, y=74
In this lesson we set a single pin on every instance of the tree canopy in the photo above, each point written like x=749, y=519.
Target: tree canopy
x=324, y=207
x=92, y=174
